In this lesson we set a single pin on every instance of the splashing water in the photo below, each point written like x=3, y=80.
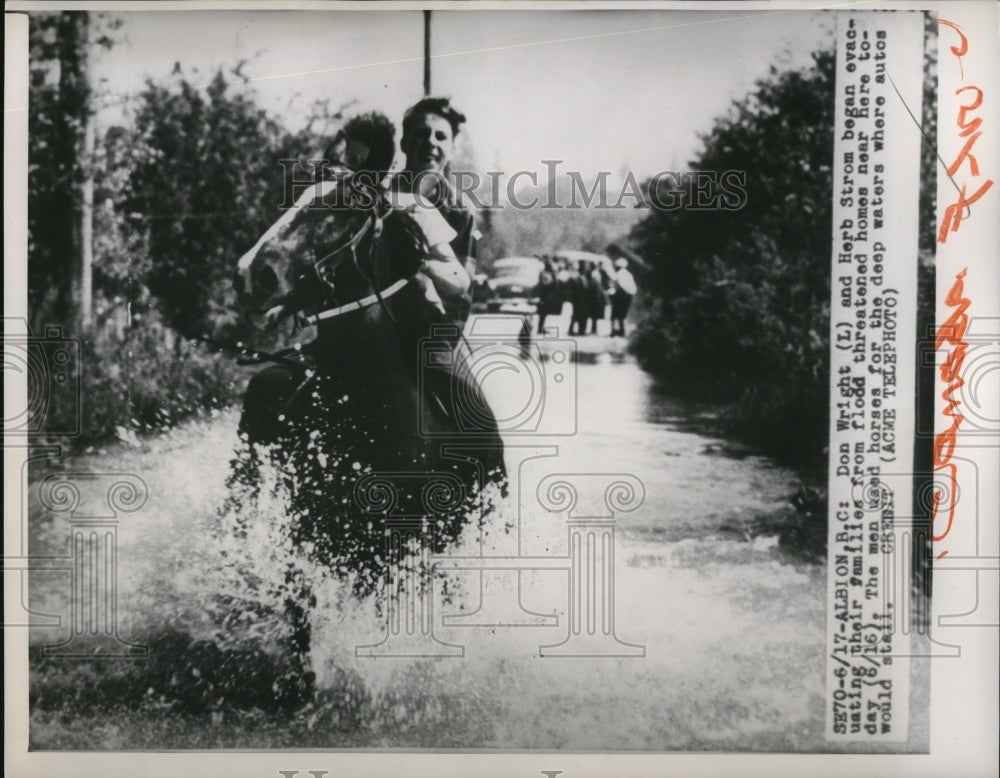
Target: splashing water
x=733, y=630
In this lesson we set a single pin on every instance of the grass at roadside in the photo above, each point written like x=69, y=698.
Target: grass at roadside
x=157, y=728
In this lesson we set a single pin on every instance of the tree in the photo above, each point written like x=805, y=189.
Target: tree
x=737, y=303
x=58, y=113
x=205, y=182
x=61, y=169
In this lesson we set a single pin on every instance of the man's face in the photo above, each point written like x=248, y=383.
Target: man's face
x=429, y=144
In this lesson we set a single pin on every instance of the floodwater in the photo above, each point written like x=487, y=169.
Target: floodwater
x=701, y=636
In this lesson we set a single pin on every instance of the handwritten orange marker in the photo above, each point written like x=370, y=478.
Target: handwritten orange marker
x=969, y=129
x=951, y=333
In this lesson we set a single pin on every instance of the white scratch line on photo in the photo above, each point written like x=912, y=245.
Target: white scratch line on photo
x=487, y=50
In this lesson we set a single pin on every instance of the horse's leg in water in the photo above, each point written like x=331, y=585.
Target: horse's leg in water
x=299, y=601
x=267, y=393
x=267, y=397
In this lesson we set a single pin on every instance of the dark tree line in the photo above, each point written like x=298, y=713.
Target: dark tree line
x=142, y=223
x=181, y=190
x=737, y=303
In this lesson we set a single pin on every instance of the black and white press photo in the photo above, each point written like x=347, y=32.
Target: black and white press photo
x=396, y=383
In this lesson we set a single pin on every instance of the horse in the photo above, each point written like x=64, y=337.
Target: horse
x=371, y=393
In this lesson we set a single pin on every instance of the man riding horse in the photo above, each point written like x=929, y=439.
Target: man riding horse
x=380, y=272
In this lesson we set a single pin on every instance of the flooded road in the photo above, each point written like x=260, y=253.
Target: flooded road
x=694, y=482
x=730, y=626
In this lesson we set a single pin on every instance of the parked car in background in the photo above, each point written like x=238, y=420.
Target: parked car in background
x=511, y=285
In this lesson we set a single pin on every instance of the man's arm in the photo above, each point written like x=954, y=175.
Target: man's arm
x=463, y=223
x=450, y=278
x=442, y=266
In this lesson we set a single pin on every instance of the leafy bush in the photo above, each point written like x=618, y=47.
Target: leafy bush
x=738, y=301
x=143, y=379
x=169, y=383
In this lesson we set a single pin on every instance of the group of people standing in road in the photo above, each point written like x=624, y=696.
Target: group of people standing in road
x=589, y=288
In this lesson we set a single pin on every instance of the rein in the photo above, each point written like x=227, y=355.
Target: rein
x=377, y=297
x=320, y=264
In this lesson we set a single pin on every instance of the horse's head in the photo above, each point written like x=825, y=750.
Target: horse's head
x=331, y=246
x=296, y=264
x=339, y=244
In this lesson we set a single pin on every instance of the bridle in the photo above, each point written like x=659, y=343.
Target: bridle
x=313, y=296
x=325, y=268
